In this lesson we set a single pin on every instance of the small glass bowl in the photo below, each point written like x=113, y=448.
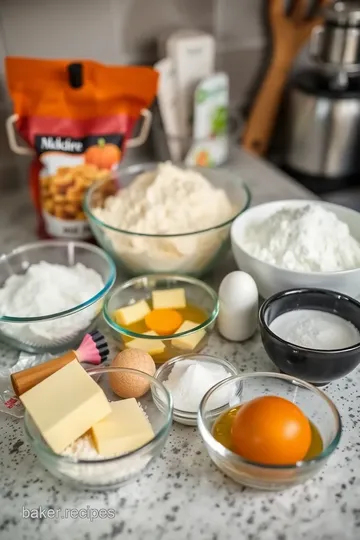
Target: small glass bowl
x=318, y=408
x=110, y=473
x=186, y=417
x=33, y=334
x=197, y=293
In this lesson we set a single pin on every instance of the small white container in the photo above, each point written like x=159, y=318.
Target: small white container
x=193, y=57
x=239, y=305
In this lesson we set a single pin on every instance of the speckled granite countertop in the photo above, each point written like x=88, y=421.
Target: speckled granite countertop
x=183, y=496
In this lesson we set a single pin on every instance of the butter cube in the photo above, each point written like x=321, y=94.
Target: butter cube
x=151, y=346
x=124, y=430
x=65, y=405
x=188, y=342
x=132, y=314
x=169, y=299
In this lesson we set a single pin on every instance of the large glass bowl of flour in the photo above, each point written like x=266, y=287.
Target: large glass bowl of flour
x=51, y=294
x=158, y=217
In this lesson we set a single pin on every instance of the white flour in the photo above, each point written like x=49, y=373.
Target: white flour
x=170, y=200
x=315, y=330
x=47, y=289
x=82, y=448
x=305, y=239
x=104, y=473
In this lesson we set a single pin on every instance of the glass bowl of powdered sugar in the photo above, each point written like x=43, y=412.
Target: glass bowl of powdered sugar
x=188, y=378
x=313, y=334
x=51, y=293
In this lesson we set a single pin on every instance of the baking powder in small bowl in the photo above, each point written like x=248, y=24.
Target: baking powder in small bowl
x=315, y=329
x=188, y=378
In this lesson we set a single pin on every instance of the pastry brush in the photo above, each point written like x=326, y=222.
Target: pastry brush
x=92, y=350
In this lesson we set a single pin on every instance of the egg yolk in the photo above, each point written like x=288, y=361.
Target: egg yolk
x=163, y=321
x=271, y=430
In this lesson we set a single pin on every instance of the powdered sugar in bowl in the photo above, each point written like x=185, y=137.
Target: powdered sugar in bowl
x=188, y=377
x=313, y=334
x=51, y=293
x=297, y=247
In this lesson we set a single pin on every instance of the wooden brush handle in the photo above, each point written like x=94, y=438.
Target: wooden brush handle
x=23, y=381
x=262, y=119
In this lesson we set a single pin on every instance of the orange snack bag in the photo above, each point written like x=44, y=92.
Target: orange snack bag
x=77, y=118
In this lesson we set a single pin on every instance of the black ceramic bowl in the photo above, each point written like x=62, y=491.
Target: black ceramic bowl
x=318, y=367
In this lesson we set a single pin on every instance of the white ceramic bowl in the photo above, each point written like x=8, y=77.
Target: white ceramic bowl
x=271, y=279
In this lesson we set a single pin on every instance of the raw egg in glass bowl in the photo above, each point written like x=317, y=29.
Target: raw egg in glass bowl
x=163, y=314
x=273, y=431
x=269, y=430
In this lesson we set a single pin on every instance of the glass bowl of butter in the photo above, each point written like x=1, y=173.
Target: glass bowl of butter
x=89, y=437
x=164, y=315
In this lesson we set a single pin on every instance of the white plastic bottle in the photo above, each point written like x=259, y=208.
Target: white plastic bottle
x=239, y=305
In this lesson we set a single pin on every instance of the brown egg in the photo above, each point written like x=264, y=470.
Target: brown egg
x=128, y=385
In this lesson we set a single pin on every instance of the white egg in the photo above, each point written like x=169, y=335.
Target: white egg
x=238, y=287
x=239, y=302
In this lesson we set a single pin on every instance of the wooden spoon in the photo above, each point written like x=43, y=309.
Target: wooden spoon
x=290, y=30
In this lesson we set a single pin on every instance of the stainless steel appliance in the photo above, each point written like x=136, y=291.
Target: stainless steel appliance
x=322, y=112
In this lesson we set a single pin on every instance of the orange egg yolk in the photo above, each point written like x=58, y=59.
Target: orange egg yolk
x=271, y=430
x=163, y=321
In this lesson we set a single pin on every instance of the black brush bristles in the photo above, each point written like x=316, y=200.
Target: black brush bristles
x=101, y=344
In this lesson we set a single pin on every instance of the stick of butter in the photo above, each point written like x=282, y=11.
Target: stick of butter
x=132, y=314
x=151, y=346
x=188, y=342
x=65, y=405
x=124, y=430
x=169, y=299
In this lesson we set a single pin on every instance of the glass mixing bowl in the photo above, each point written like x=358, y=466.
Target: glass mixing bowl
x=42, y=334
x=316, y=406
x=192, y=253
x=140, y=288
x=110, y=473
